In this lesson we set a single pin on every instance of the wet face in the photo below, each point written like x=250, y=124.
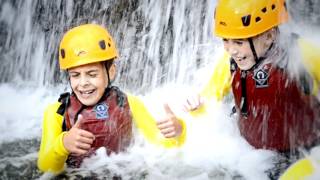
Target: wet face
x=241, y=52
x=88, y=82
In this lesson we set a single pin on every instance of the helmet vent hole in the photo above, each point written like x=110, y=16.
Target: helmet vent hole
x=273, y=6
x=223, y=23
x=258, y=19
x=109, y=44
x=246, y=20
x=102, y=44
x=63, y=54
x=264, y=10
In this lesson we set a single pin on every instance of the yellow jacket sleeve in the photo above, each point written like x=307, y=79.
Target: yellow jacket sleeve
x=220, y=81
x=52, y=154
x=219, y=84
x=146, y=124
x=302, y=169
x=311, y=59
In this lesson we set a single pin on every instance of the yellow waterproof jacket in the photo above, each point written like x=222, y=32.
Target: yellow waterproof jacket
x=53, y=155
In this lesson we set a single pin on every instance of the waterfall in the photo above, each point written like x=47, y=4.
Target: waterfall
x=158, y=41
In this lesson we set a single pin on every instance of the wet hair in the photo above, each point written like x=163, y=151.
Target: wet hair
x=108, y=63
x=276, y=30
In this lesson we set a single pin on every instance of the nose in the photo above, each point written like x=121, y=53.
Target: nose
x=84, y=81
x=232, y=51
x=230, y=48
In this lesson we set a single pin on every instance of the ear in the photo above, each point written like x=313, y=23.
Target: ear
x=270, y=36
x=112, y=72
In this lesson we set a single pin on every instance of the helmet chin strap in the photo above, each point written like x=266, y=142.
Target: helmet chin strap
x=109, y=82
x=253, y=50
x=244, y=100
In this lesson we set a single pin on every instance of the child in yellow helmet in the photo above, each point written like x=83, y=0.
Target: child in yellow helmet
x=96, y=114
x=276, y=110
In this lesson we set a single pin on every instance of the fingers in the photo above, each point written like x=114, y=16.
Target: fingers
x=169, y=126
x=78, y=152
x=78, y=141
x=85, y=137
x=82, y=146
x=86, y=134
x=82, y=143
x=170, y=135
x=168, y=131
x=192, y=103
x=165, y=123
x=77, y=144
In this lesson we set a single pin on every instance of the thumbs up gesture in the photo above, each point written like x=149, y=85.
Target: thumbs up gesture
x=169, y=126
x=78, y=141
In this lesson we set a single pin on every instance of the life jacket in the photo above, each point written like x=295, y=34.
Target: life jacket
x=109, y=120
x=274, y=112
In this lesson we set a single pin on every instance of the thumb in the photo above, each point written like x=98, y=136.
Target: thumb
x=78, y=123
x=168, y=110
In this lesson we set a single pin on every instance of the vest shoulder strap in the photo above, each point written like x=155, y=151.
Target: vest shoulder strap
x=64, y=99
x=121, y=96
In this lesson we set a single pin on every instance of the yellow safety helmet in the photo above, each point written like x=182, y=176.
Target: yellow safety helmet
x=239, y=19
x=86, y=44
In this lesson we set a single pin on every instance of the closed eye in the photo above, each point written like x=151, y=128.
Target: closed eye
x=238, y=42
x=93, y=75
x=74, y=74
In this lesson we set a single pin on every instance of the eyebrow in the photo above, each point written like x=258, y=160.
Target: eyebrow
x=226, y=39
x=240, y=39
x=72, y=72
x=93, y=70
x=90, y=71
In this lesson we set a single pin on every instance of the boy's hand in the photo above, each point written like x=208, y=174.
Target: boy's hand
x=193, y=103
x=78, y=141
x=170, y=126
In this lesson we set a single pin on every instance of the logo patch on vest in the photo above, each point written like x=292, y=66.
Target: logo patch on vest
x=261, y=78
x=101, y=111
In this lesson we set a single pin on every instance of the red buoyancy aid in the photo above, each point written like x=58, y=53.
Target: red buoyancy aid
x=109, y=120
x=278, y=116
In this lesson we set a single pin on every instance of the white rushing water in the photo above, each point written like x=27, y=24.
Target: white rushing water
x=167, y=52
